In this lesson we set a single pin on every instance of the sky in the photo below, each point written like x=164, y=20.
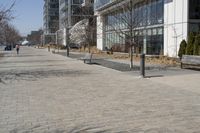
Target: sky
x=28, y=14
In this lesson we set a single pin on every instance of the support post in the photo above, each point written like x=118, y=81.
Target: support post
x=142, y=65
x=67, y=43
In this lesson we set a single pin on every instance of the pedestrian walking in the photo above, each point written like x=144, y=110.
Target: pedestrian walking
x=17, y=48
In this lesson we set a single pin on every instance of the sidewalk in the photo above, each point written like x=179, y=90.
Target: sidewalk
x=41, y=92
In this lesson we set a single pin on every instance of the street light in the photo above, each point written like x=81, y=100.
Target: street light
x=67, y=39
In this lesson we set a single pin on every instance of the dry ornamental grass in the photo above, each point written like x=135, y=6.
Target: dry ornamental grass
x=163, y=60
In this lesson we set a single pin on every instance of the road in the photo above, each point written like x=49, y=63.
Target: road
x=41, y=92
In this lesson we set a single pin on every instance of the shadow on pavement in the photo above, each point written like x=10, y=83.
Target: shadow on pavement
x=194, y=69
x=6, y=55
x=88, y=129
x=154, y=76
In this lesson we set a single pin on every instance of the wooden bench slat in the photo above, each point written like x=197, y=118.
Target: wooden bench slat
x=190, y=60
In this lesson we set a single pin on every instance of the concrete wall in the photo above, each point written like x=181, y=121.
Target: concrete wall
x=175, y=25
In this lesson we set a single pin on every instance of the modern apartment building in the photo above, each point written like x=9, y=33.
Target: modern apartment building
x=34, y=37
x=50, y=20
x=158, y=25
x=70, y=13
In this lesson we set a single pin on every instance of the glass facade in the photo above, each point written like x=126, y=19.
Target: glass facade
x=194, y=9
x=194, y=27
x=70, y=12
x=146, y=23
x=100, y=3
x=155, y=41
x=194, y=16
x=51, y=19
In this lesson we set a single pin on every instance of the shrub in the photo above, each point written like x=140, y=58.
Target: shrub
x=182, y=48
x=118, y=48
x=196, y=50
x=190, y=45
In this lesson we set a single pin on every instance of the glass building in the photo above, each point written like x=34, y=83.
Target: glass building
x=69, y=12
x=50, y=16
x=156, y=26
x=194, y=15
x=50, y=20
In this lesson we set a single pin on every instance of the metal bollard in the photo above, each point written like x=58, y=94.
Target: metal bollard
x=142, y=65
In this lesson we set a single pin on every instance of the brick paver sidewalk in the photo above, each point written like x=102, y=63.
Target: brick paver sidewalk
x=42, y=92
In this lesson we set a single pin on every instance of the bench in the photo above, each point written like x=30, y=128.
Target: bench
x=87, y=58
x=190, y=60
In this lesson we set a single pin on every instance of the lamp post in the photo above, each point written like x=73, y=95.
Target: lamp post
x=57, y=40
x=67, y=39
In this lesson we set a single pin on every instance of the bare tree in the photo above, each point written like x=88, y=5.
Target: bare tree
x=90, y=29
x=6, y=13
x=11, y=35
x=2, y=29
x=91, y=32
x=6, y=30
x=124, y=23
x=129, y=17
x=85, y=30
x=125, y=20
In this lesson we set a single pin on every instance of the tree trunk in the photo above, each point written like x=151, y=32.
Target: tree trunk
x=67, y=40
x=89, y=47
x=131, y=59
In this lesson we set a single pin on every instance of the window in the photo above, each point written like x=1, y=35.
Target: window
x=77, y=1
x=194, y=9
x=100, y=3
x=62, y=1
x=194, y=27
x=76, y=10
x=160, y=11
x=155, y=41
x=145, y=14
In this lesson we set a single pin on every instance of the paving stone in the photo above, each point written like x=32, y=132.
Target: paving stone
x=49, y=93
